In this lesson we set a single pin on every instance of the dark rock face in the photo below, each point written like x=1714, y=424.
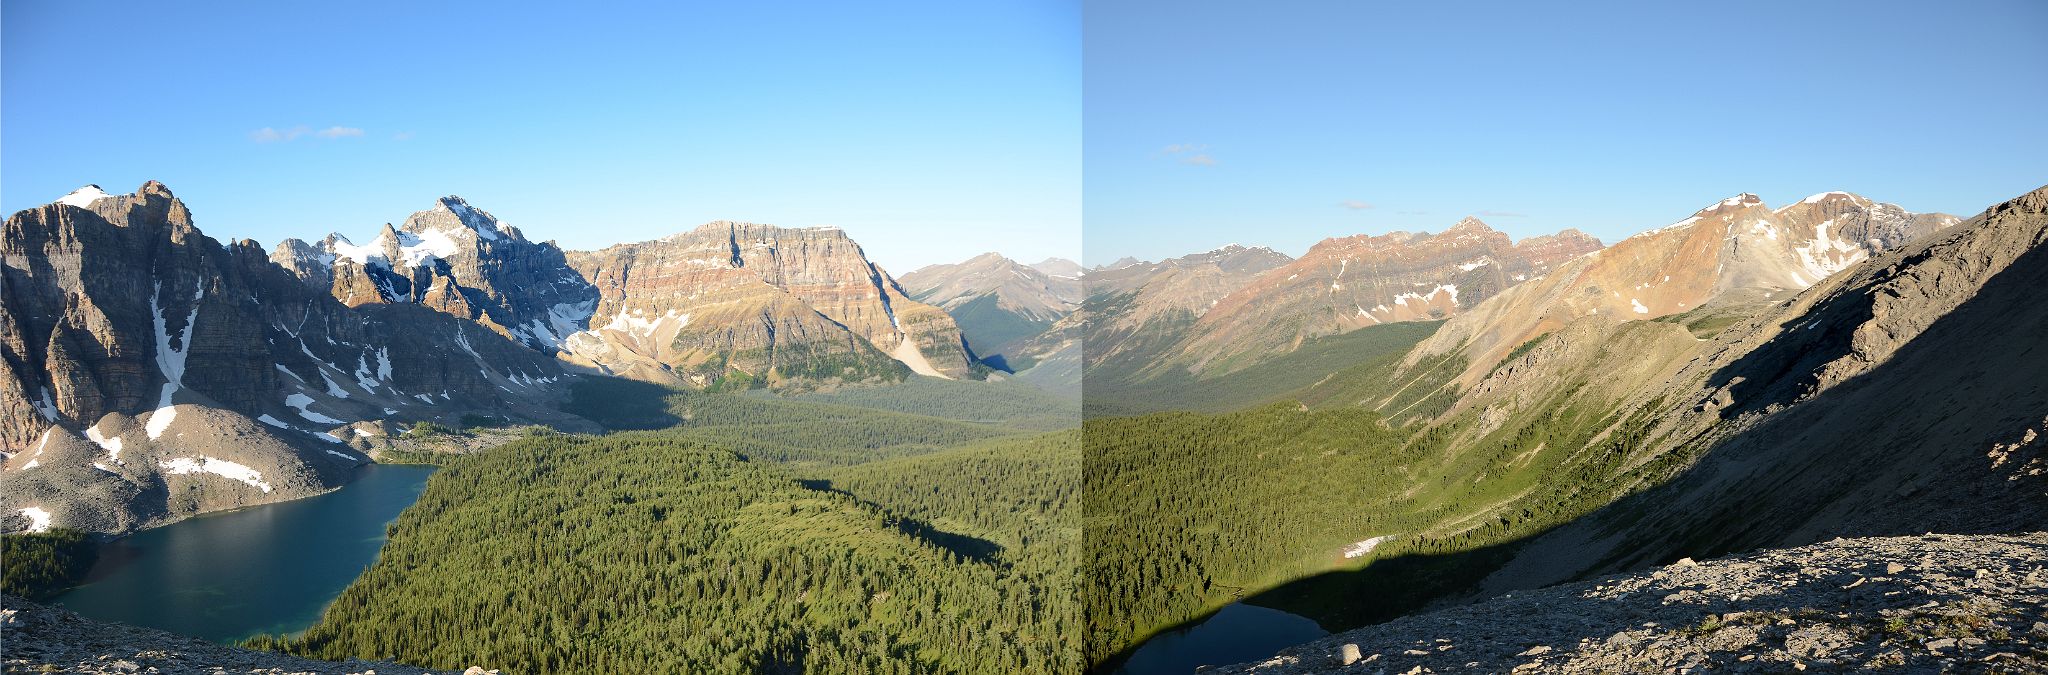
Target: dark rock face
x=458, y=260
x=120, y=314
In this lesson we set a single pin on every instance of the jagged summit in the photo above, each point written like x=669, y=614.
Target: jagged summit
x=84, y=197
x=451, y=217
x=1739, y=201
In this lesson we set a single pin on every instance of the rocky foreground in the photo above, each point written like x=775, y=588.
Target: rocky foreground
x=37, y=638
x=1934, y=603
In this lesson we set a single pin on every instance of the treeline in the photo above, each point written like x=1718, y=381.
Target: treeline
x=654, y=552
x=42, y=564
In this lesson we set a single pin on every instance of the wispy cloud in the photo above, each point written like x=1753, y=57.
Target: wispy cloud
x=402, y=136
x=1502, y=214
x=1190, y=154
x=286, y=135
x=270, y=135
x=1354, y=205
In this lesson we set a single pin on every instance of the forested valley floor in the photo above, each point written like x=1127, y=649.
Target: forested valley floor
x=734, y=534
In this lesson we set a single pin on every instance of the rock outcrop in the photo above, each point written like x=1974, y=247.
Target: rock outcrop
x=457, y=259
x=153, y=372
x=40, y=638
x=1935, y=603
x=761, y=304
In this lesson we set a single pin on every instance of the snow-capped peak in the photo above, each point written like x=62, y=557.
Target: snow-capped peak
x=84, y=197
x=1824, y=196
x=1743, y=199
x=482, y=223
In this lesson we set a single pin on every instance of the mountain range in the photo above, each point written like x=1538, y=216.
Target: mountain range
x=1748, y=377
x=153, y=372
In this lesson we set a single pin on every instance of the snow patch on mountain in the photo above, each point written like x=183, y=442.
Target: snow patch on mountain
x=300, y=402
x=38, y=519
x=218, y=467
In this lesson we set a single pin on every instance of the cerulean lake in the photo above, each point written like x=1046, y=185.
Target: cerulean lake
x=263, y=569
x=1235, y=634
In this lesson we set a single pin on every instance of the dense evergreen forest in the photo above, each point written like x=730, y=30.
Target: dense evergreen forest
x=1185, y=512
x=43, y=564
x=749, y=535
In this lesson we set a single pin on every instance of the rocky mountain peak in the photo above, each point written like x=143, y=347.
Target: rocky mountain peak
x=1059, y=267
x=454, y=218
x=1467, y=224
x=84, y=197
x=1731, y=205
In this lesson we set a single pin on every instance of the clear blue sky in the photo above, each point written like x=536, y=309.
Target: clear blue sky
x=1257, y=122
x=930, y=131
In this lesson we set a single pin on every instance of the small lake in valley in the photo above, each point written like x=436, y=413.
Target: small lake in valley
x=263, y=569
x=1235, y=634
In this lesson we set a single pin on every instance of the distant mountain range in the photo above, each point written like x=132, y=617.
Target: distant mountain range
x=144, y=360
x=1223, y=310
x=1748, y=377
x=1006, y=308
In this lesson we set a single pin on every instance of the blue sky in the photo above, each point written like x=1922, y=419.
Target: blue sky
x=1281, y=123
x=930, y=131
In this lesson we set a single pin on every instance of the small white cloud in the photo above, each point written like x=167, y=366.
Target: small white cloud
x=1354, y=205
x=1502, y=214
x=402, y=136
x=270, y=135
x=276, y=135
x=1199, y=160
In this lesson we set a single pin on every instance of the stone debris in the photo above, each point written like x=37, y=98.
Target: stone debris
x=1976, y=603
x=36, y=638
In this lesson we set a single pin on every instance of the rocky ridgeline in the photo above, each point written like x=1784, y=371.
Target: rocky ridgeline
x=1934, y=603
x=43, y=639
x=1346, y=283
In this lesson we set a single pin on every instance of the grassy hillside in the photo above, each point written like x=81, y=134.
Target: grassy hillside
x=1116, y=390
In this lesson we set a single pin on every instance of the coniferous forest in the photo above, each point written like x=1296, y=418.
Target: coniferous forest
x=672, y=551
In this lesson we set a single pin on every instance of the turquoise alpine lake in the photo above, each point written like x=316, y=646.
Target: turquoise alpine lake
x=1235, y=634
x=264, y=569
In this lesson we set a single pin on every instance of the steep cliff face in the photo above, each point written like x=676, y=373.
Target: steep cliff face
x=1736, y=244
x=1347, y=283
x=761, y=303
x=181, y=359
x=456, y=259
